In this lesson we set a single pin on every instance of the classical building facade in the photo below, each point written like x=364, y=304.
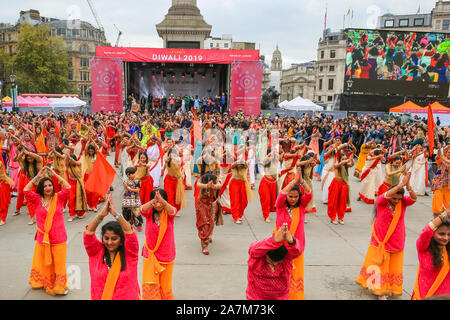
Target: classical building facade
x=330, y=67
x=266, y=75
x=184, y=26
x=438, y=20
x=80, y=37
x=298, y=80
x=243, y=46
x=224, y=42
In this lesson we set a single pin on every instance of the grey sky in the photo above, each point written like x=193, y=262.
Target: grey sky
x=296, y=25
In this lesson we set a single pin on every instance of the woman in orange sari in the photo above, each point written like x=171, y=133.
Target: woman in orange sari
x=88, y=159
x=59, y=165
x=48, y=270
x=30, y=165
x=113, y=261
x=159, y=248
x=77, y=200
x=382, y=270
x=433, y=247
x=205, y=209
x=441, y=181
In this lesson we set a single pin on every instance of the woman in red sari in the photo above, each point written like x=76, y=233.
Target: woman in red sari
x=268, y=188
x=142, y=166
x=5, y=193
x=240, y=191
x=173, y=182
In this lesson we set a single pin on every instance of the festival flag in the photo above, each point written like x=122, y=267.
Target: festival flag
x=418, y=10
x=431, y=127
x=101, y=177
x=197, y=130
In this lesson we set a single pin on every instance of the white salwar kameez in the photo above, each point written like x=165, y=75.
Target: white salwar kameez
x=327, y=178
x=153, y=156
x=418, y=175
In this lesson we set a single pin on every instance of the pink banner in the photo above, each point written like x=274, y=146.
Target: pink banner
x=246, y=82
x=107, y=84
x=177, y=55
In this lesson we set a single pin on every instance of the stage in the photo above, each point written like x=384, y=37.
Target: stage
x=177, y=79
x=117, y=72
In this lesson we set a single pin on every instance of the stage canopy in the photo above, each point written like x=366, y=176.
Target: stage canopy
x=301, y=104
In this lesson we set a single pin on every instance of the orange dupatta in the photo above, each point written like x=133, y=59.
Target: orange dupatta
x=156, y=268
x=381, y=250
x=40, y=144
x=47, y=227
x=295, y=220
x=437, y=282
x=111, y=279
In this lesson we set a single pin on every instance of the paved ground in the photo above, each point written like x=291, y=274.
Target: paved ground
x=333, y=255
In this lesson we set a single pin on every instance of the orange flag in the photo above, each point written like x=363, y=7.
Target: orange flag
x=197, y=130
x=101, y=177
x=431, y=127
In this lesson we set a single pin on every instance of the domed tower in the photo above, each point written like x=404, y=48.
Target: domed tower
x=277, y=61
x=184, y=26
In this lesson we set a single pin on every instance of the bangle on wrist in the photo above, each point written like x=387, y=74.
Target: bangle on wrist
x=98, y=219
x=443, y=216
x=118, y=216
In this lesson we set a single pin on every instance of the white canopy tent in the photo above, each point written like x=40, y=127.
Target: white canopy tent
x=282, y=104
x=300, y=104
x=77, y=102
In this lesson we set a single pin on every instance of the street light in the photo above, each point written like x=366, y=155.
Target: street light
x=1, y=95
x=12, y=77
x=349, y=89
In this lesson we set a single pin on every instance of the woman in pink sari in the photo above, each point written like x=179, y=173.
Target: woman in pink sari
x=315, y=136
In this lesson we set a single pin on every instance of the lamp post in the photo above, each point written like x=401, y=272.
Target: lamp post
x=1, y=95
x=12, y=77
x=349, y=89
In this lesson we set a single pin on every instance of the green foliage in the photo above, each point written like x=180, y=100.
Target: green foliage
x=41, y=63
x=5, y=72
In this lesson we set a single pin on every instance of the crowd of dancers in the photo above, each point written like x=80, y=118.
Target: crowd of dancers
x=50, y=163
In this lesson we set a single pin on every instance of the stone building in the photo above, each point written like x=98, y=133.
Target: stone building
x=330, y=67
x=438, y=20
x=80, y=37
x=184, y=26
x=298, y=80
x=243, y=46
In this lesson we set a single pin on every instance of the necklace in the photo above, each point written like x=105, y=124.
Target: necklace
x=290, y=211
x=44, y=204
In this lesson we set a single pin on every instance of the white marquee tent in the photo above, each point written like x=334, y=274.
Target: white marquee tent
x=300, y=104
x=282, y=104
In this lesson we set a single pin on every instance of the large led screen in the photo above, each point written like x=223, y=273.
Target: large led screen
x=397, y=62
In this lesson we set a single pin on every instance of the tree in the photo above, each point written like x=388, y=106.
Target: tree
x=5, y=72
x=41, y=63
